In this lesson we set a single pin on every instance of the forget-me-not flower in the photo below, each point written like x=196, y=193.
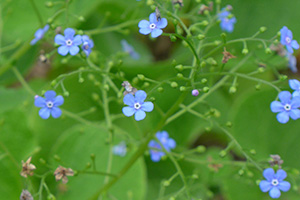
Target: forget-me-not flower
x=274, y=183
x=287, y=40
x=69, y=43
x=292, y=62
x=152, y=26
x=87, y=44
x=136, y=105
x=120, y=149
x=227, y=24
x=295, y=85
x=49, y=104
x=130, y=50
x=288, y=107
x=39, y=34
x=157, y=152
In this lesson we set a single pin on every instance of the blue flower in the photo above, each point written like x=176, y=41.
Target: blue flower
x=136, y=105
x=130, y=50
x=69, y=43
x=49, y=104
x=156, y=151
x=287, y=39
x=274, y=182
x=287, y=107
x=120, y=149
x=227, y=24
x=87, y=44
x=295, y=85
x=292, y=62
x=154, y=26
x=39, y=34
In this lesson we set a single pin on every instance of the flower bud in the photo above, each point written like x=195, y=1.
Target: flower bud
x=182, y=88
x=174, y=84
x=141, y=77
x=200, y=37
x=201, y=149
x=195, y=92
x=179, y=67
x=245, y=51
x=205, y=89
x=262, y=29
x=160, y=89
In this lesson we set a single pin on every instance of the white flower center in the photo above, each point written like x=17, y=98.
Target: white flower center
x=152, y=26
x=287, y=107
x=275, y=182
x=288, y=40
x=86, y=45
x=137, y=106
x=49, y=104
x=69, y=42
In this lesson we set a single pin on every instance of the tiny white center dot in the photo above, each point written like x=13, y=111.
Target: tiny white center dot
x=49, y=104
x=152, y=26
x=275, y=182
x=137, y=106
x=287, y=107
x=69, y=42
x=288, y=40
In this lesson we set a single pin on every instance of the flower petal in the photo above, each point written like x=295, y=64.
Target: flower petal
x=269, y=174
x=58, y=101
x=295, y=103
x=283, y=117
x=155, y=156
x=50, y=95
x=274, y=193
x=289, y=49
x=276, y=106
x=40, y=102
x=296, y=93
x=74, y=50
x=129, y=100
x=152, y=18
x=162, y=23
x=284, y=186
x=63, y=50
x=69, y=33
x=46, y=28
x=280, y=175
x=139, y=115
x=285, y=97
x=144, y=24
x=156, y=32
x=44, y=113
x=128, y=111
x=171, y=143
x=140, y=96
x=147, y=106
x=294, y=84
x=55, y=112
x=77, y=40
x=59, y=39
x=145, y=31
x=265, y=186
x=34, y=41
x=294, y=114
x=295, y=44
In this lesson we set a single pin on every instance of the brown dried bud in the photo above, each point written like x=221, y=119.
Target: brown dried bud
x=27, y=168
x=62, y=173
x=180, y=2
x=25, y=195
x=279, y=49
x=227, y=56
x=157, y=14
x=128, y=88
x=205, y=7
x=276, y=160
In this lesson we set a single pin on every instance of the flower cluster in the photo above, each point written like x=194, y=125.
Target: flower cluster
x=288, y=105
x=69, y=43
x=156, y=151
x=287, y=39
x=227, y=21
x=153, y=26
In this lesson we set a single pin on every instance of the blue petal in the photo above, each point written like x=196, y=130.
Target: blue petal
x=63, y=50
x=74, y=50
x=44, y=113
x=269, y=174
x=39, y=33
x=274, y=193
x=77, y=40
x=85, y=38
x=58, y=101
x=295, y=103
x=152, y=143
x=156, y=32
x=285, y=97
x=59, y=39
x=294, y=84
x=55, y=112
x=283, y=33
x=129, y=100
x=284, y=186
x=147, y=106
x=276, y=106
x=289, y=33
x=296, y=93
x=162, y=23
x=140, y=96
x=34, y=40
x=155, y=156
x=283, y=117
x=145, y=31
x=40, y=102
x=280, y=175
x=50, y=95
x=295, y=44
x=46, y=28
x=292, y=62
x=128, y=111
x=152, y=18
x=144, y=24
x=139, y=115
x=69, y=33
x=294, y=114
x=135, y=55
x=289, y=49
x=265, y=186
x=162, y=135
x=171, y=143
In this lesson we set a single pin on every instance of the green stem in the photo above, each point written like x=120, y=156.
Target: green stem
x=22, y=80
x=37, y=12
x=112, y=28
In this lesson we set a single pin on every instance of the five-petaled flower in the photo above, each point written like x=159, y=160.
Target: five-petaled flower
x=287, y=39
x=136, y=105
x=130, y=50
x=27, y=168
x=49, y=104
x=62, y=173
x=69, y=43
x=39, y=34
x=156, y=151
x=120, y=149
x=87, y=45
x=227, y=22
x=274, y=183
x=152, y=26
x=288, y=107
x=295, y=85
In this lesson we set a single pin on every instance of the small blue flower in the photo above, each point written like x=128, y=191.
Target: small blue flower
x=168, y=143
x=292, y=62
x=287, y=39
x=227, y=24
x=39, y=34
x=274, y=182
x=136, y=105
x=195, y=92
x=295, y=85
x=288, y=107
x=49, y=104
x=120, y=149
x=87, y=44
x=69, y=43
x=130, y=50
x=154, y=26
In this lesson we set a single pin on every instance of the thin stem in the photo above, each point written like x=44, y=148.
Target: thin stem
x=37, y=12
x=22, y=80
x=112, y=28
